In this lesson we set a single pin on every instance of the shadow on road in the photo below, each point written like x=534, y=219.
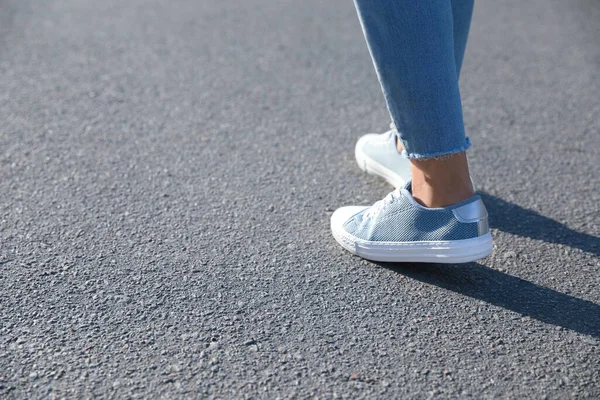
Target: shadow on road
x=511, y=218
x=515, y=294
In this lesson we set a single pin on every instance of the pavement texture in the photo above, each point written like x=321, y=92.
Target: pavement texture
x=167, y=174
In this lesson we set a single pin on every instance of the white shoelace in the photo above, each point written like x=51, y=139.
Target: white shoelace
x=380, y=205
x=390, y=137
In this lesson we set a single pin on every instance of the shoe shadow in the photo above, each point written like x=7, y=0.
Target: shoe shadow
x=503, y=290
x=515, y=294
x=511, y=218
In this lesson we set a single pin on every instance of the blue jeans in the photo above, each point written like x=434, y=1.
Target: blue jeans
x=417, y=48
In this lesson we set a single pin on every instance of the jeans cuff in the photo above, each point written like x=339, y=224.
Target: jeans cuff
x=438, y=155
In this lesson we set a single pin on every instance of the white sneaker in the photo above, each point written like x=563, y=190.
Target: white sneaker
x=399, y=229
x=378, y=155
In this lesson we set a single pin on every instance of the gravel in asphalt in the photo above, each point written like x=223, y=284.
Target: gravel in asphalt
x=167, y=174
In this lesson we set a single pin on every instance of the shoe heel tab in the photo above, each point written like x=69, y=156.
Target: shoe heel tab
x=471, y=212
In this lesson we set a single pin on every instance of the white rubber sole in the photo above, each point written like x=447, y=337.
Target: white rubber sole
x=447, y=252
x=372, y=167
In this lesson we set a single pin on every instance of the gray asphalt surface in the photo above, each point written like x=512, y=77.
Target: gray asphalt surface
x=167, y=174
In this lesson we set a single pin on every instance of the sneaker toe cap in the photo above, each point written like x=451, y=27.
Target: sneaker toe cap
x=343, y=214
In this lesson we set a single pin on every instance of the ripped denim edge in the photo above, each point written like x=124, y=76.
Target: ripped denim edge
x=440, y=155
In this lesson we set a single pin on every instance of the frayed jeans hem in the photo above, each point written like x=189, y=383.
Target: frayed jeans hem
x=440, y=155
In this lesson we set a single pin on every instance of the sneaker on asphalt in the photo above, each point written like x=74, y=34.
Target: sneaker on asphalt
x=399, y=229
x=377, y=154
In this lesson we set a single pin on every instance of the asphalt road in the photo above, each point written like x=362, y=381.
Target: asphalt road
x=167, y=174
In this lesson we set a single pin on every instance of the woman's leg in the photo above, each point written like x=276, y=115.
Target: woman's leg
x=417, y=48
x=462, y=11
x=417, y=61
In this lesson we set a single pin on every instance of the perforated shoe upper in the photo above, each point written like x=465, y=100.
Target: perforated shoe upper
x=399, y=218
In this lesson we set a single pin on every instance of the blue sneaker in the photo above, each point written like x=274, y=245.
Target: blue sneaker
x=399, y=229
x=377, y=154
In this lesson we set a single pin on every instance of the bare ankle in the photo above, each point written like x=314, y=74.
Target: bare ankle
x=441, y=182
